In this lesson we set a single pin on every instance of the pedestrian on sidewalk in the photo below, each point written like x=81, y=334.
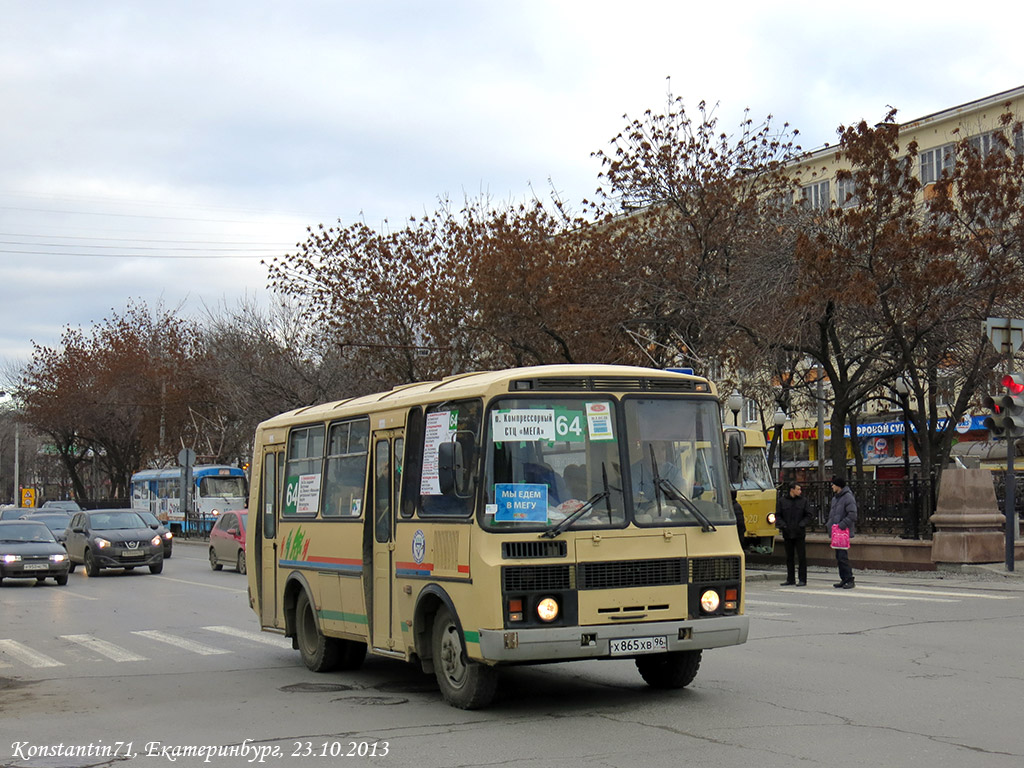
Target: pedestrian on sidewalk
x=792, y=516
x=741, y=523
x=842, y=512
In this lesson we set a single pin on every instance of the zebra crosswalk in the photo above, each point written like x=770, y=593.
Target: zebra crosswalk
x=792, y=597
x=136, y=646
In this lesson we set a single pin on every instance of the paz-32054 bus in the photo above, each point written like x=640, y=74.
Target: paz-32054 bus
x=520, y=516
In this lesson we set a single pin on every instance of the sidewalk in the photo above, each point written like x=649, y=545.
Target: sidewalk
x=971, y=571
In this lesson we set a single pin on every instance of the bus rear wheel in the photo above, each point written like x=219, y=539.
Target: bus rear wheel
x=464, y=683
x=675, y=669
x=319, y=653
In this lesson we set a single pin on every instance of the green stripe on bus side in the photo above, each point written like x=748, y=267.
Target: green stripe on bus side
x=355, y=618
x=472, y=637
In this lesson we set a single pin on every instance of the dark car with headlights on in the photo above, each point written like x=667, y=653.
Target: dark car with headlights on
x=29, y=551
x=112, y=538
x=168, y=538
x=57, y=521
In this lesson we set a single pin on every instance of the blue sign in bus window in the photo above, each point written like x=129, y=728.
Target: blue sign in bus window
x=521, y=502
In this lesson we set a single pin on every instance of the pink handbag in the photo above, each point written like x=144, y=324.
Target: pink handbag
x=840, y=538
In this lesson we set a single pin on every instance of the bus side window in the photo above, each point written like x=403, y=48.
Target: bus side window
x=412, y=466
x=382, y=491
x=270, y=495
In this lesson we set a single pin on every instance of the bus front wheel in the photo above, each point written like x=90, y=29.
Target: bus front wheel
x=319, y=653
x=464, y=683
x=675, y=669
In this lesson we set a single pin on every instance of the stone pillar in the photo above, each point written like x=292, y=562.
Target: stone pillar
x=969, y=525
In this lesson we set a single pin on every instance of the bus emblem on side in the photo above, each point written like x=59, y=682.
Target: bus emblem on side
x=419, y=546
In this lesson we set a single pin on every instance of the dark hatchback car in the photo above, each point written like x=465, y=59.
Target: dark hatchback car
x=29, y=551
x=56, y=521
x=112, y=538
x=168, y=538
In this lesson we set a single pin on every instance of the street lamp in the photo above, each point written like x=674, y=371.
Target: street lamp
x=911, y=514
x=778, y=420
x=903, y=389
x=17, y=450
x=735, y=404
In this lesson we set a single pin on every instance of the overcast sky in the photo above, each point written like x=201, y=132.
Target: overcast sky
x=157, y=151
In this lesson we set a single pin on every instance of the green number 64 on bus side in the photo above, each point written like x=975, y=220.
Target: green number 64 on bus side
x=522, y=516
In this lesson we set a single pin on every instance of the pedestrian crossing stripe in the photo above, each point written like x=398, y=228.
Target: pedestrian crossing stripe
x=180, y=642
x=15, y=651
x=257, y=637
x=102, y=647
x=27, y=655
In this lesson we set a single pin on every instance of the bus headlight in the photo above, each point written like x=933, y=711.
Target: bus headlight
x=771, y=518
x=710, y=601
x=547, y=609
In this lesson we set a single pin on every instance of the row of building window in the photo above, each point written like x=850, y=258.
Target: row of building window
x=934, y=163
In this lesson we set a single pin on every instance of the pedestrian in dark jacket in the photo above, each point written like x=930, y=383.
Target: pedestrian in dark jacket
x=843, y=513
x=792, y=517
x=741, y=523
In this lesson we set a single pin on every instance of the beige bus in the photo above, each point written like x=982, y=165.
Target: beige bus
x=529, y=515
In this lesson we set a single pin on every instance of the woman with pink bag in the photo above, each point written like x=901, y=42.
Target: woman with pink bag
x=841, y=517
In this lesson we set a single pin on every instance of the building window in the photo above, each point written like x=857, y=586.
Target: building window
x=984, y=143
x=751, y=412
x=816, y=197
x=846, y=194
x=936, y=163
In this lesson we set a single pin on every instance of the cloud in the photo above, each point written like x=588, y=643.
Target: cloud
x=145, y=129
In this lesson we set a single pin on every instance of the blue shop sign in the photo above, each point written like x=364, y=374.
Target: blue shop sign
x=966, y=424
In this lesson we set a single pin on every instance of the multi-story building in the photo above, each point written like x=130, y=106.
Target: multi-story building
x=881, y=426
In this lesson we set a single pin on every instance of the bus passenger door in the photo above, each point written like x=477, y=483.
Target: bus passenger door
x=265, y=539
x=388, y=448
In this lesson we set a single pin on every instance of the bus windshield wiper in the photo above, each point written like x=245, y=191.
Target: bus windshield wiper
x=605, y=493
x=674, y=493
x=550, y=533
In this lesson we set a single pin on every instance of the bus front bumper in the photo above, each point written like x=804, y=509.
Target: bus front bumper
x=594, y=642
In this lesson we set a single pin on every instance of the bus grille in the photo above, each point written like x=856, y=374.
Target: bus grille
x=606, y=383
x=631, y=573
x=705, y=569
x=522, y=550
x=536, y=578
x=603, y=576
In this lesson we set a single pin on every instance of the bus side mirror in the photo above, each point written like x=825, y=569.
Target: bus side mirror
x=453, y=468
x=734, y=456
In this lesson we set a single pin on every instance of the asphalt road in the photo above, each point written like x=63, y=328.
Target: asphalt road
x=901, y=671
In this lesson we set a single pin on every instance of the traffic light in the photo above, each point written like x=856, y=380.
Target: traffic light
x=995, y=422
x=1013, y=404
x=1007, y=417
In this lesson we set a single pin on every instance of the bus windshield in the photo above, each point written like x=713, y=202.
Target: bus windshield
x=676, y=471
x=227, y=487
x=544, y=459
x=754, y=472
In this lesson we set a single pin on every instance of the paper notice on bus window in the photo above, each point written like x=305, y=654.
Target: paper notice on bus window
x=523, y=425
x=439, y=429
x=599, y=421
x=302, y=494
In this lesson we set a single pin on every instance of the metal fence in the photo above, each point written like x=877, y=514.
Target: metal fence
x=885, y=507
x=897, y=507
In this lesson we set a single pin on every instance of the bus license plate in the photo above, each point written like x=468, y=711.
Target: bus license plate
x=629, y=646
